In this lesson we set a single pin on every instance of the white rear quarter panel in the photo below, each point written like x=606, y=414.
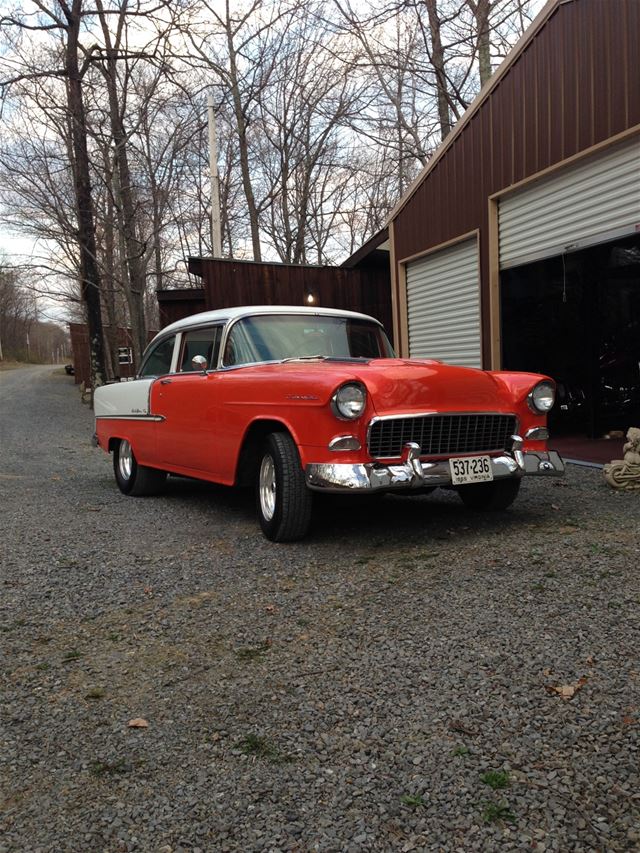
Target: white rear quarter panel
x=122, y=398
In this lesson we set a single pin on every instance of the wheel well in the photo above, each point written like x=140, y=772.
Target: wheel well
x=113, y=443
x=250, y=451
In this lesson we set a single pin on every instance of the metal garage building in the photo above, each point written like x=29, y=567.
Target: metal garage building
x=519, y=244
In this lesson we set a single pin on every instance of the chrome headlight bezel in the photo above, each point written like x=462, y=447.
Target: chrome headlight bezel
x=340, y=401
x=542, y=397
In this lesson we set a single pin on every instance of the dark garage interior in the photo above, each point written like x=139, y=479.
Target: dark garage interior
x=576, y=317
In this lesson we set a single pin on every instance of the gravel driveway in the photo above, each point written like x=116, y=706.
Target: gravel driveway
x=387, y=684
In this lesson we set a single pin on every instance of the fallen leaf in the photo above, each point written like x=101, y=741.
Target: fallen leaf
x=138, y=723
x=567, y=691
x=555, y=506
x=590, y=660
x=547, y=671
x=271, y=608
x=628, y=721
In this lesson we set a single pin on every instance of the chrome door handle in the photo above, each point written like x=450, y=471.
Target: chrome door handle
x=165, y=382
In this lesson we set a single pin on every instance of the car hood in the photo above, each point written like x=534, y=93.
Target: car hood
x=417, y=385
x=394, y=385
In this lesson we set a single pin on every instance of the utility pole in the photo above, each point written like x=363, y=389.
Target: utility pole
x=216, y=237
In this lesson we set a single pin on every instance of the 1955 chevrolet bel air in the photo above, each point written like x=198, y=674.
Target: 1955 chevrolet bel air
x=300, y=400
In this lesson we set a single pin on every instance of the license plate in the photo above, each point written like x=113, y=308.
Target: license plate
x=470, y=469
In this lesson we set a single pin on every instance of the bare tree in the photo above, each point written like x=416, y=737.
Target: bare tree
x=65, y=20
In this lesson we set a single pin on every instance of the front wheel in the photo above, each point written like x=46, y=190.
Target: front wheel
x=496, y=495
x=133, y=479
x=282, y=497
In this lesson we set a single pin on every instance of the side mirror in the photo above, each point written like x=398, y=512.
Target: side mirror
x=199, y=362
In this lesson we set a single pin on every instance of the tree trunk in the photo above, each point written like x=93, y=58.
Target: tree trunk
x=124, y=195
x=481, y=9
x=241, y=128
x=90, y=276
x=437, y=59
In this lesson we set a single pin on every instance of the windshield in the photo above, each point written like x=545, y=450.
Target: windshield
x=274, y=337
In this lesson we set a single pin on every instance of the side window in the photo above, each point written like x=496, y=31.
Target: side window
x=158, y=361
x=239, y=348
x=205, y=342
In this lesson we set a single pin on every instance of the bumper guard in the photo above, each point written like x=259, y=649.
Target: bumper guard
x=411, y=473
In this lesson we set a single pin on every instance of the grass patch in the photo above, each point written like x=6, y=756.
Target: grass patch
x=106, y=768
x=538, y=587
x=461, y=750
x=259, y=746
x=414, y=801
x=497, y=812
x=44, y=666
x=71, y=655
x=253, y=652
x=95, y=693
x=495, y=779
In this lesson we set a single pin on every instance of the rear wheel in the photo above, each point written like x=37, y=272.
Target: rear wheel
x=282, y=497
x=497, y=495
x=133, y=479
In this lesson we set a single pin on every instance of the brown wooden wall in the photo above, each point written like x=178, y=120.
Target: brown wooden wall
x=573, y=86
x=176, y=304
x=228, y=283
x=81, y=358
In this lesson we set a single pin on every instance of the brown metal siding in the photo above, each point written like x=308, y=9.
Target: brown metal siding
x=574, y=85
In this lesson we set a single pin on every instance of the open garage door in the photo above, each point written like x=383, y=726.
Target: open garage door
x=443, y=305
x=593, y=201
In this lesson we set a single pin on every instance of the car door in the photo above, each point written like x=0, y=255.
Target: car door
x=186, y=400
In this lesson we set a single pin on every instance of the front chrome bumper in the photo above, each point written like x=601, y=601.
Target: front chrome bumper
x=411, y=473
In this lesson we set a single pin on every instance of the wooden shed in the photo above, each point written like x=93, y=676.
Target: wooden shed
x=364, y=286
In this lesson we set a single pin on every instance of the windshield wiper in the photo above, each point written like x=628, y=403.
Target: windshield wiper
x=305, y=358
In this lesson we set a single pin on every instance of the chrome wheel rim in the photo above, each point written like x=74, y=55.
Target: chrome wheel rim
x=125, y=460
x=267, y=487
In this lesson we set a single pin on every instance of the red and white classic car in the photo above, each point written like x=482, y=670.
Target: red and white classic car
x=300, y=400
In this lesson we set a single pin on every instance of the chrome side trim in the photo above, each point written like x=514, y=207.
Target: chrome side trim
x=130, y=417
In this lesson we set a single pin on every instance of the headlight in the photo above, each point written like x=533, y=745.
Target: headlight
x=542, y=397
x=349, y=401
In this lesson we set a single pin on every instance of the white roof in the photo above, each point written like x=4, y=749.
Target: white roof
x=225, y=314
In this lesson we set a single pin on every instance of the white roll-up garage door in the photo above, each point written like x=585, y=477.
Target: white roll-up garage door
x=592, y=201
x=443, y=305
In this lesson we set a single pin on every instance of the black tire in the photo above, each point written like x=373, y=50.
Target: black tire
x=494, y=496
x=282, y=498
x=133, y=479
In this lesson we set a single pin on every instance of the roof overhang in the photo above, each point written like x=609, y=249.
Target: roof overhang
x=378, y=243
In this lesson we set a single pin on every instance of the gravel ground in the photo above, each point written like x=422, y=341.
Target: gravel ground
x=387, y=684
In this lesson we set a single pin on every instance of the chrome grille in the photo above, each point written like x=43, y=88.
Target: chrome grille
x=441, y=435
